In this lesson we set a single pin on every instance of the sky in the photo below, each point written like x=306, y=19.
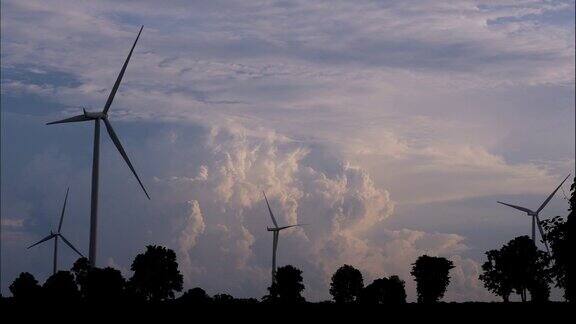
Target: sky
x=390, y=127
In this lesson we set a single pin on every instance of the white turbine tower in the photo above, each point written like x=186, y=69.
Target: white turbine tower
x=96, y=117
x=275, y=231
x=535, y=214
x=57, y=235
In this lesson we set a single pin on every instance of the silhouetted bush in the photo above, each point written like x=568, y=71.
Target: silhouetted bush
x=384, y=291
x=195, y=296
x=519, y=266
x=25, y=288
x=245, y=301
x=105, y=285
x=432, y=277
x=288, y=286
x=61, y=287
x=223, y=299
x=346, y=284
x=156, y=275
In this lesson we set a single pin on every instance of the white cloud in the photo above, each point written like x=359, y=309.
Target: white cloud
x=192, y=228
x=226, y=246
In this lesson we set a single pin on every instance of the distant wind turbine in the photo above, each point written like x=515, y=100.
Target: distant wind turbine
x=275, y=231
x=535, y=214
x=57, y=235
x=96, y=117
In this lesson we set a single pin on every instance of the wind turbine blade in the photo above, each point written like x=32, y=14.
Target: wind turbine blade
x=551, y=195
x=116, y=141
x=119, y=79
x=284, y=227
x=63, y=210
x=70, y=245
x=542, y=234
x=270, y=210
x=42, y=240
x=75, y=119
x=516, y=207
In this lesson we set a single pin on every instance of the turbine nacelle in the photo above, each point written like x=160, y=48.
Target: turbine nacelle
x=276, y=228
x=94, y=115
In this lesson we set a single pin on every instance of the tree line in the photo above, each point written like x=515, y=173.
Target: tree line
x=156, y=279
x=517, y=267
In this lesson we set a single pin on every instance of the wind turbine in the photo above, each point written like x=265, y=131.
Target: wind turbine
x=96, y=117
x=534, y=214
x=57, y=235
x=275, y=231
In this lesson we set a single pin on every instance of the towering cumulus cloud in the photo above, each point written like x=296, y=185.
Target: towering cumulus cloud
x=223, y=242
x=193, y=226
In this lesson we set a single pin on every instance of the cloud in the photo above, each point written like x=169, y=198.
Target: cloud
x=410, y=35
x=224, y=240
x=193, y=227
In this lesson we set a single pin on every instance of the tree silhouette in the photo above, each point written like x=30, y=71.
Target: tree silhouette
x=61, y=287
x=520, y=267
x=156, y=275
x=99, y=285
x=346, y=284
x=557, y=235
x=495, y=278
x=195, y=296
x=432, y=277
x=384, y=291
x=105, y=285
x=539, y=290
x=25, y=288
x=288, y=286
x=80, y=269
x=570, y=284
